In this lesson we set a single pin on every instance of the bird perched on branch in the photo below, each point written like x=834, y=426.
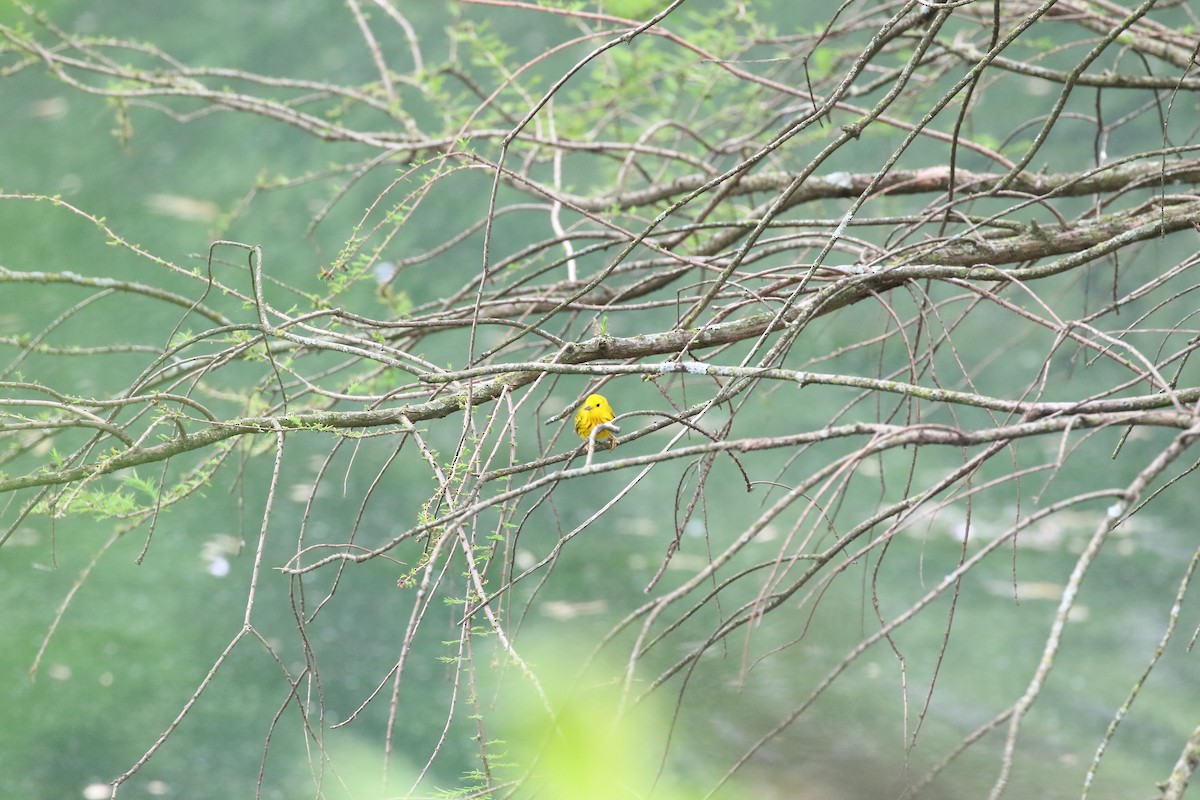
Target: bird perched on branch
x=594, y=411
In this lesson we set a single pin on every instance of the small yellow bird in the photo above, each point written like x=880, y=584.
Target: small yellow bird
x=594, y=411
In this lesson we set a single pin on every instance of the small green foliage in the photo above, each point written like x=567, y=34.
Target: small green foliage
x=122, y=129
x=821, y=63
x=591, y=744
x=399, y=302
x=100, y=504
x=143, y=486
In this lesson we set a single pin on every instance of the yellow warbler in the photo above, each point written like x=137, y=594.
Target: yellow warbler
x=594, y=411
